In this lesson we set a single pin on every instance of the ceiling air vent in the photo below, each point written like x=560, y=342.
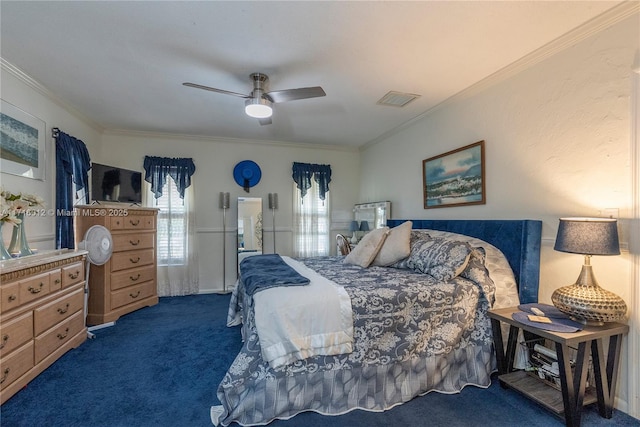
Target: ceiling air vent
x=397, y=99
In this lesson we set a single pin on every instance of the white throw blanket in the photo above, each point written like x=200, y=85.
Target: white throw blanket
x=297, y=322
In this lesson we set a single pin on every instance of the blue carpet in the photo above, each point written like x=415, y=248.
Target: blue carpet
x=161, y=365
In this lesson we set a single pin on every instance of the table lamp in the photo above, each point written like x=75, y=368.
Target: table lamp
x=585, y=301
x=364, y=226
x=353, y=227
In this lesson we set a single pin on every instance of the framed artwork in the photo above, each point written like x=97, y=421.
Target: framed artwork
x=22, y=142
x=455, y=178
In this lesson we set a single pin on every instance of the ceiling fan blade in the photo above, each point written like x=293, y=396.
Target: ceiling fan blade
x=294, y=94
x=213, y=89
x=266, y=121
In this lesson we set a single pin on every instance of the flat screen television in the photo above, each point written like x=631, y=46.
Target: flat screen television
x=114, y=184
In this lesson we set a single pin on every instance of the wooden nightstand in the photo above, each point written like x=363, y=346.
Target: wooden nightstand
x=570, y=400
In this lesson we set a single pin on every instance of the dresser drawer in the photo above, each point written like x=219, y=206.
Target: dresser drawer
x=132, y=294
x=50, y=314
x=72, y=274
x=132, y=259
x=10, y=295
x=15, y=332
x=116, y=222
x=34, y=288
x=55, y=337
x=132, y=241
x=16, y=364
x=140, y=222
x=55, y=280
x=133, y=222
x=132, y=277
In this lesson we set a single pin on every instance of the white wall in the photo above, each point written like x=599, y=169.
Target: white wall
x=557, y=143
x=27, y=95
x=215, y=160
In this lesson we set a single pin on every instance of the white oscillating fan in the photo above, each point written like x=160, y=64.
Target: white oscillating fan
x=99, y=245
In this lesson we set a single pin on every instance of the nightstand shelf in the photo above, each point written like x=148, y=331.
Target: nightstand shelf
x=539, y=391
x=568, y=401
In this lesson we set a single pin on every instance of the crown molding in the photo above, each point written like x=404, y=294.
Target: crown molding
x=601, y=22
x=8, y=67
x=226, y=140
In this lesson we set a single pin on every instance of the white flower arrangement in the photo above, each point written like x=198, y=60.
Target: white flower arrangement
x=12, y=205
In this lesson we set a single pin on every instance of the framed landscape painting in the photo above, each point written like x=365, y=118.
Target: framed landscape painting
x=22, y=142
x=455, y=178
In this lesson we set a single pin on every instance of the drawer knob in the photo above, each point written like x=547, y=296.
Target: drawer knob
x=5, y=339
x=134, y=223
x=63, y=310
x=74, y=276
x=4, y=376
x=135, y=261
x=133, y=279
x=12, y=297
x=36, y=290
x=63, y=336
x=136, y=295
x=136, y=243
x=57, y=281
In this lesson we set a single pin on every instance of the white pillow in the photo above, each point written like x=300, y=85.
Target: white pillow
x=365, y=251
x=396, y=246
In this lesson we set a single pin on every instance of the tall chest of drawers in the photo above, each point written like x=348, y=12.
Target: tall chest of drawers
x=128, y=281
x=41, y=314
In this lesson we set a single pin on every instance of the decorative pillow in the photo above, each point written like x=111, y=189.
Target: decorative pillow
x=477, y=272
x=396, y=246
x=441, y=258
x=496, y=263
x=415, y=239
x=366, y=250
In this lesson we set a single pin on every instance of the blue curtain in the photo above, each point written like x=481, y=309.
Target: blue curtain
x=157, y=168
x=72, y=167
x=303, y=172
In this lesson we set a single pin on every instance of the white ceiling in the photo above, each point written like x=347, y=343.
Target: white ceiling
x=122, y=64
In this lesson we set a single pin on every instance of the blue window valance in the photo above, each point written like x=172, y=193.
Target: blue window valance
x=157, y=168
x=72, y=167
x=303, y=172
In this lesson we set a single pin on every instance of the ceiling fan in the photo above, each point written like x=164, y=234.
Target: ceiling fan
x=258, y=104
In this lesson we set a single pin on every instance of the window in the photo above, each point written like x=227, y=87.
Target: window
x=311, y=222
x=172, y=226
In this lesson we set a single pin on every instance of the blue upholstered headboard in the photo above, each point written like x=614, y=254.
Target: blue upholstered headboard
x=519, y=240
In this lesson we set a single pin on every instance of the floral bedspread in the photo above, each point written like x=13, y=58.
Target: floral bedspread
x=412, y=334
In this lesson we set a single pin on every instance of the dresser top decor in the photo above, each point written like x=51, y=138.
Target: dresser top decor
x=13, y=204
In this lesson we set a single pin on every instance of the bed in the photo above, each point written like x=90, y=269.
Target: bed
x=412, y=333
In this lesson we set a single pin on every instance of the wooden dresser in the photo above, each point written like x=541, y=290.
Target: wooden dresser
x=127, y=281
x=41, y=314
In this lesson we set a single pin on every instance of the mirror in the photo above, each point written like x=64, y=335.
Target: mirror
x=249, y=227
x=375, y=214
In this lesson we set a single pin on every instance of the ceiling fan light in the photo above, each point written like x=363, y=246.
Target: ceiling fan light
x=258, y=108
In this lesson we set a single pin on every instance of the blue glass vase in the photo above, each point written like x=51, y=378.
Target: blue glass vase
x=4, y=254
x=19, y=245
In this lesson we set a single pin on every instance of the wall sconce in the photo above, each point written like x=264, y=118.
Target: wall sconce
x=224, y=205
x=585, y=301
x=273, y=205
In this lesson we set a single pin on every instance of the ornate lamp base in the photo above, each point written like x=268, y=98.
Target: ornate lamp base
x=586, y=302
